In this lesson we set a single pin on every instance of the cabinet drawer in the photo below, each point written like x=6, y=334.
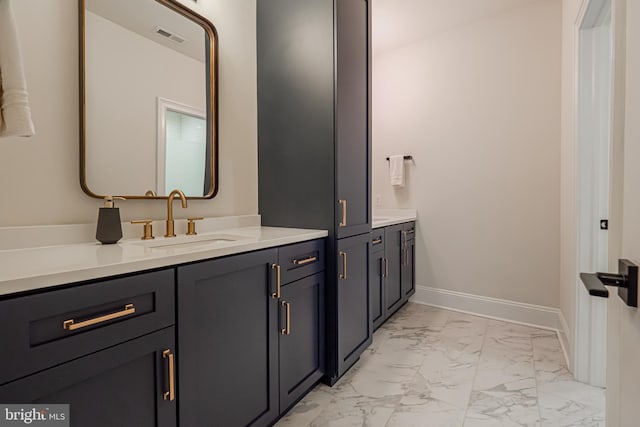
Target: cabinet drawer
x=43, y=330
x=377, y=240
x=301, y=260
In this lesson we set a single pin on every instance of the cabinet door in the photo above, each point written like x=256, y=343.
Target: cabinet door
x=408, y=264
x=301, y=337
x=393, y=256
x=353, y=209
x=121, y=386
x=376, y=288
x=354, y=321
x=227, y=324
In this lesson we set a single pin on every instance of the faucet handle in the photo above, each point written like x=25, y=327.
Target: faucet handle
x=191, y=226
x=148, y=228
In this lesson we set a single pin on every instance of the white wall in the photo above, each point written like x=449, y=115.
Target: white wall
x=478, y=107
x=39, y=175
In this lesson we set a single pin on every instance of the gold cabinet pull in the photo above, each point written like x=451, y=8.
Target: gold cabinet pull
x=170, y=395
x=71, y=325
x=305, y=261
x=276, y=294
x=377, y=241
x=343, y=223
x=343, y=275
x=287, y=329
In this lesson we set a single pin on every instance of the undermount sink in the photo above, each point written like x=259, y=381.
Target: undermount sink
x=189, y=242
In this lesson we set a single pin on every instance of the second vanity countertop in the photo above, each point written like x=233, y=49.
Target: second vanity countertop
x=386, y=217
x=40, y=267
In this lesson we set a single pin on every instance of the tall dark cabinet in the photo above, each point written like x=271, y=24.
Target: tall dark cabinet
x=314, y=148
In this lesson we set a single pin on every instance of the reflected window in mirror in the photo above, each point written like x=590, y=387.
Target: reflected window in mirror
x=148, y=92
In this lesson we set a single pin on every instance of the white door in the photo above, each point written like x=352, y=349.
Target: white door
x=623, y=337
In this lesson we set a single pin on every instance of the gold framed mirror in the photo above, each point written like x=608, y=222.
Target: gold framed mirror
x=148, y=100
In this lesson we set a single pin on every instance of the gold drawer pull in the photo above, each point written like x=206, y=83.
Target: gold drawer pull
x=305, y=261
x=71, y=325
x=343, y=223
x=377, y=241
x=343, y=275
x=287, y=329
x=171, y=394
x=276, y=294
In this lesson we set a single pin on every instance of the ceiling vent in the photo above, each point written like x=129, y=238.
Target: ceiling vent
x=169, y=35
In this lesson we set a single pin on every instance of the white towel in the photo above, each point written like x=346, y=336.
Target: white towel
x=396, y=170
x=15, y=114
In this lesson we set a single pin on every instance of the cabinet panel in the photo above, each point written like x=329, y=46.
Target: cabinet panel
x=393, y=256
x=409, y=269
x=296, y=68
x=227, y=327
x=120, y=386
x=352, y=118
x=302, y=349
x=354, y=321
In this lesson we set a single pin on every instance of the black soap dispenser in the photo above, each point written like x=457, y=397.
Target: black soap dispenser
x=109, y=228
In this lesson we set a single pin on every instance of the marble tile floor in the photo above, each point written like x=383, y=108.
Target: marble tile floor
x=429, y=367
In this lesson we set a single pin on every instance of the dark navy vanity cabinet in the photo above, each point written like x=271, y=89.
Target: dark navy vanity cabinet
x=232, y=341
x=250, y=334
x=314, y=151
x=392, y=270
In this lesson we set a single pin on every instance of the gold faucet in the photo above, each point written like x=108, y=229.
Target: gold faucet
x=172, y=195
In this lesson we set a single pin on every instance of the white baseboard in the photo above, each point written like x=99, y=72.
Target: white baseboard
x=511, y=311
x=563, y=335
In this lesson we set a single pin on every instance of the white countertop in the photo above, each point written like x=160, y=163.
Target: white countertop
x=385, y=217
x=30, y=268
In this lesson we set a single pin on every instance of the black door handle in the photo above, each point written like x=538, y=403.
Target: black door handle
x=626, y=281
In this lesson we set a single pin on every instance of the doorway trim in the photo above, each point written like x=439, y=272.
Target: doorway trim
x=594, y=88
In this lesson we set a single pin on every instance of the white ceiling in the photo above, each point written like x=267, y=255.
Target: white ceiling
x=399, y=22
x=142, y=17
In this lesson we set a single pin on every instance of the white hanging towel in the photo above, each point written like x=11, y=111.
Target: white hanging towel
x=15, y=114
x=396, y=170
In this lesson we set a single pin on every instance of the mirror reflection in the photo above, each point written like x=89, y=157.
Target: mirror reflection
x=149, y=121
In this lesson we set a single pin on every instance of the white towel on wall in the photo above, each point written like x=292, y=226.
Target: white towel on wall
x=15, y=113
x=396, y=170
